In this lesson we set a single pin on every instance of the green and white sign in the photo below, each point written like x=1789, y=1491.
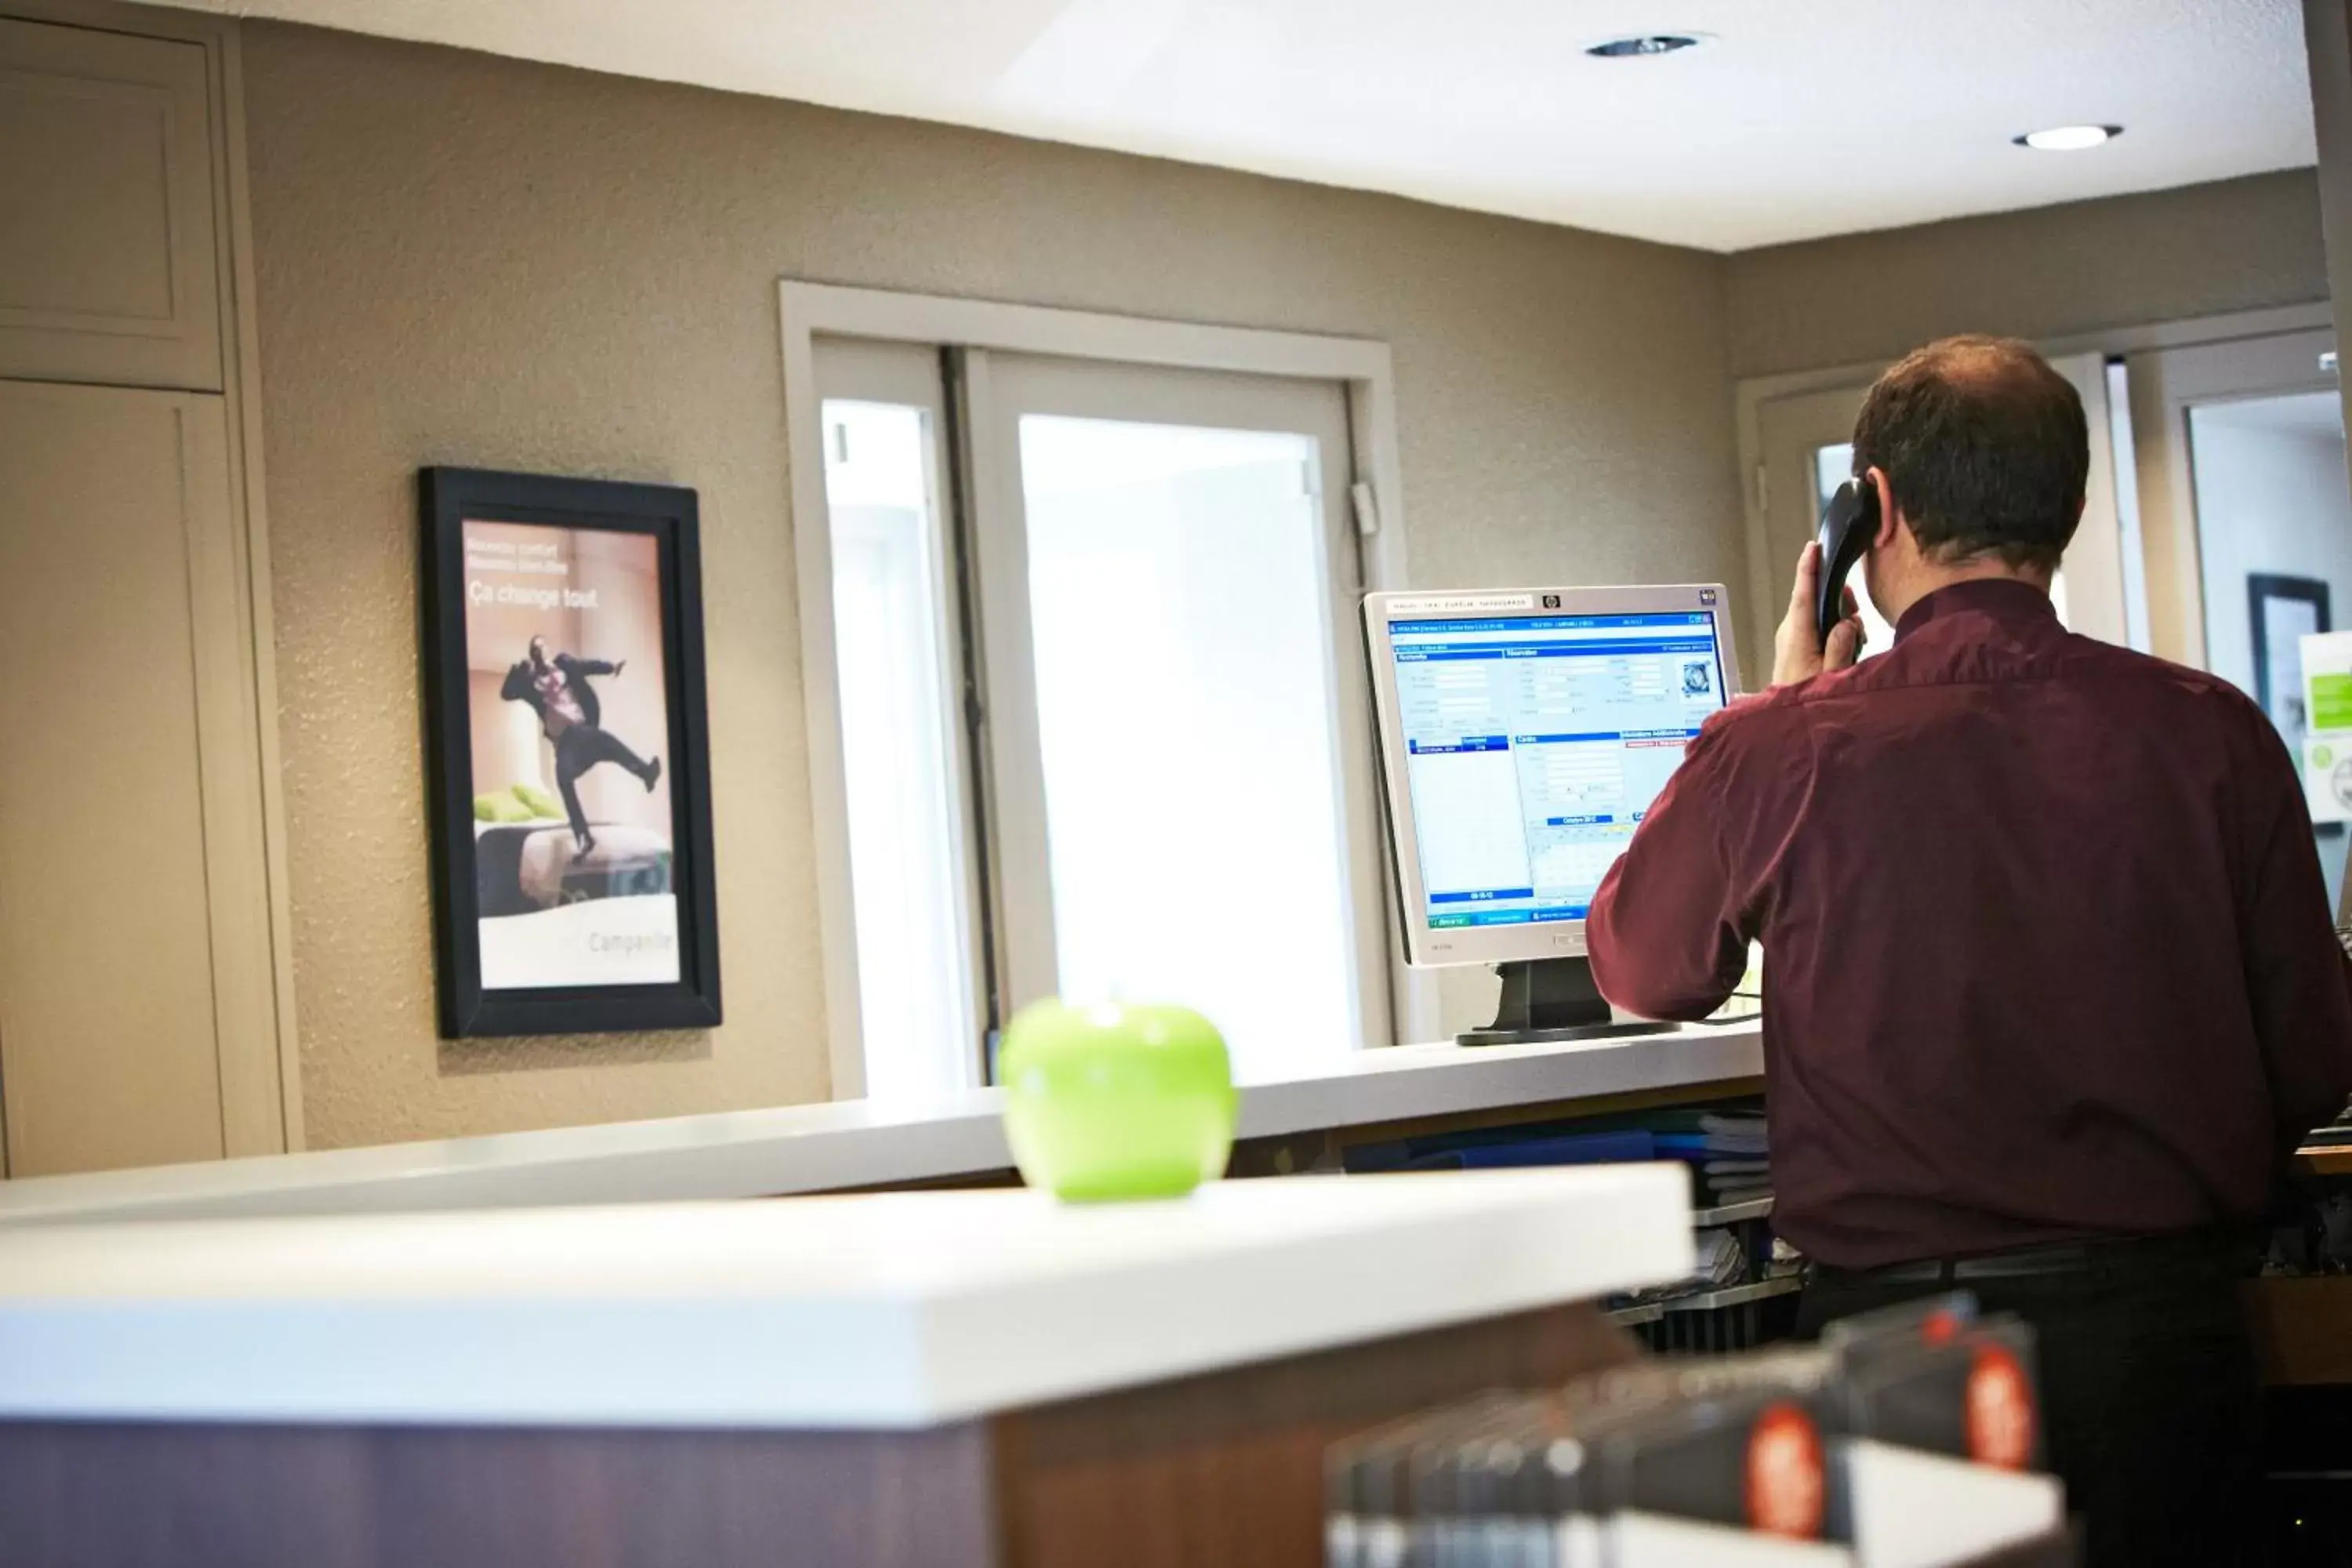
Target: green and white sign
x=2327, y=742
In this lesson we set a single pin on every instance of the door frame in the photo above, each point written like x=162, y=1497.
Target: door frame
x=1768, y=562
x=1765, y=576
x=808, y=311
x=2098, y=595
x=2162, y=396
x=913, y=375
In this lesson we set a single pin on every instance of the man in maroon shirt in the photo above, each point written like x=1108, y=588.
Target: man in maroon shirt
x=2051, y=986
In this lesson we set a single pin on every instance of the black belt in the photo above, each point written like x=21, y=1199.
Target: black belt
x=2202, y=1253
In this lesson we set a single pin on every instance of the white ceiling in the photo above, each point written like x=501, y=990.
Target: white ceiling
x=1803, y=118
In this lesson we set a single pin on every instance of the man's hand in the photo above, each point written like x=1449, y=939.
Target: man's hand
x=1795, y=655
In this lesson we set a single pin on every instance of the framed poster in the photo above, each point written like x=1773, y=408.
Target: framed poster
x=567, y=753
x=2281, y=612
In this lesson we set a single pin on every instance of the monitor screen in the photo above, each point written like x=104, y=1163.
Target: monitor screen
x=1533, y=744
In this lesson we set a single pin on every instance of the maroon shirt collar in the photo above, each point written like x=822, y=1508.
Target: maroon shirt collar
x=2003, y=598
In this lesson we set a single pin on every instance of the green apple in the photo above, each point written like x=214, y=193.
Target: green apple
x=1116, y=1101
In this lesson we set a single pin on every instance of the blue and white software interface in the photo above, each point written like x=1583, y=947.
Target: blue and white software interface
x=1535, y=745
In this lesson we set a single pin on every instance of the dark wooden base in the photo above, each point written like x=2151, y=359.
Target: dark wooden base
x=227, y=1497
x=1226, y=1471
x=2302, y=1328
x=1218, y=1471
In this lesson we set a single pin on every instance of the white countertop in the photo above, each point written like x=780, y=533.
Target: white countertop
x=845, y=1143
x=882, y=1310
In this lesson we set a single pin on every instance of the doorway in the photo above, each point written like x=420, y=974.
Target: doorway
x=1803, y=444
x=2248, y=516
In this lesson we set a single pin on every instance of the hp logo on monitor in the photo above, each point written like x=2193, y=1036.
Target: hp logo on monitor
x=1551, y=601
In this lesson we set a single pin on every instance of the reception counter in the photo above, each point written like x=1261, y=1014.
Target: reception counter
x=1285, y=1125
x=982, y=1377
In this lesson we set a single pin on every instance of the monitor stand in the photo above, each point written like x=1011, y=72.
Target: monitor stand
x=1548, y=999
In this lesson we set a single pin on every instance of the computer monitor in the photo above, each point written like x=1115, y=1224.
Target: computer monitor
x=1524, y=735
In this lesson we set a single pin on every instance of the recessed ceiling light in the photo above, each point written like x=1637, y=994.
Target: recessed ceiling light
x=1644, y=46
x=2069, y=138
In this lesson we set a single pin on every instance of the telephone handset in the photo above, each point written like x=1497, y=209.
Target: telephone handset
x=1848, y=525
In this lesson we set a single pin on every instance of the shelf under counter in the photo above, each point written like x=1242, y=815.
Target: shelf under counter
x=1733, y=1213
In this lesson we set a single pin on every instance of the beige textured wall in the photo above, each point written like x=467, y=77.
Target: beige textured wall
x=2200, y=250
x=465, y=260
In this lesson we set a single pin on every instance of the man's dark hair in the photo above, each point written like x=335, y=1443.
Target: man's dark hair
x=1985, y=449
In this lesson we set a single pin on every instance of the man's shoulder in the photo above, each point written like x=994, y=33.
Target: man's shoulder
x=2131, y=662
x=2200, y=691
x=2102, y=667
x=1752, y=710
x=1755, y=716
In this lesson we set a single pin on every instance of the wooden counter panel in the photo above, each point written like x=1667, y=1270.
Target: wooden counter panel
x=1218, y=1471
x=106, y=1496
x=2302, y=1328
x=1226, y=1470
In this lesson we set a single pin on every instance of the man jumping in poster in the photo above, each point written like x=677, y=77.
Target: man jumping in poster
x=558, y=692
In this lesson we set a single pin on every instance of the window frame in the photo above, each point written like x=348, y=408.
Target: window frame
x=909, y=375
x=1029, y=932
x=1363, y=368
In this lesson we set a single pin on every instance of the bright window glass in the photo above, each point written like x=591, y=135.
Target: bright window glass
x=2126, y=465
x=906, y=866
x=1179, y=601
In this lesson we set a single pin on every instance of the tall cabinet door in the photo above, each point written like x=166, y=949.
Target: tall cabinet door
x=136, y=1006
x=108, y=266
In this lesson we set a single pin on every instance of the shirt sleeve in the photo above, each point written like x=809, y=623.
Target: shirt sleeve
x=2297, y=975
x=1668, y=930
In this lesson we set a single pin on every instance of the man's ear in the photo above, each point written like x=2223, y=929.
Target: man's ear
x=1877, y=478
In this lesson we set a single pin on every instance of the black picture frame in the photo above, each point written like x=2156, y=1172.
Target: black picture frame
x=2261, y=588
x=448, y=499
